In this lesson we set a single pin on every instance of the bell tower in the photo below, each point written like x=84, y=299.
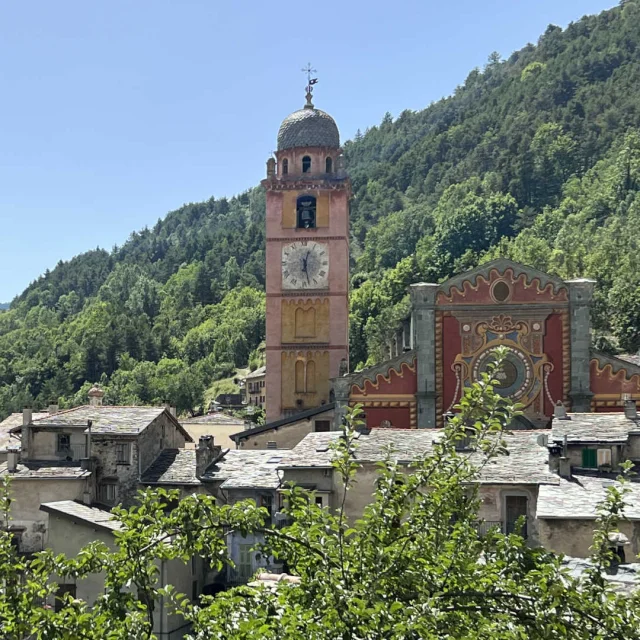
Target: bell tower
x=307, y=271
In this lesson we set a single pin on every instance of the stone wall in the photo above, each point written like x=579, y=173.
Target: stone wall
x=69, y=537
x=27, y=496
x=574, y=537
x=286, y=437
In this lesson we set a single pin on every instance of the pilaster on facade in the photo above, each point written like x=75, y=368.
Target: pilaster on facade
x=341, y=392
x=580, y=297
x=423, y=300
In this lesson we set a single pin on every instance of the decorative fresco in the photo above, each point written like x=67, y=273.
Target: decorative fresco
x=387, y=394
x=462, y=321
x=508, y=286
x=525, y=374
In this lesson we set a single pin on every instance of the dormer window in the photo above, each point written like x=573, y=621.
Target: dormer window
x=306, y=164
x=285, y=167
x=329, y=165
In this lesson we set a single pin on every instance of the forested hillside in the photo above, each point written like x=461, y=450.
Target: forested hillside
x=536, y=158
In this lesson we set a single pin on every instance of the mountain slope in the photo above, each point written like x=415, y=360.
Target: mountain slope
x=536, y=158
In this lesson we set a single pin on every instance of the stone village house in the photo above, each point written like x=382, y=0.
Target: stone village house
x=93, y=454
x=230, y=476
x=553, y=479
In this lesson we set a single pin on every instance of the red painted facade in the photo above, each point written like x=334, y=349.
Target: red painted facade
x=512, y=306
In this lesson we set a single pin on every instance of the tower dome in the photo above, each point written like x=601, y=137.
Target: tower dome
x=308, y=127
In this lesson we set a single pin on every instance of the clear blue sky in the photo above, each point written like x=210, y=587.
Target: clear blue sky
x=114, y=112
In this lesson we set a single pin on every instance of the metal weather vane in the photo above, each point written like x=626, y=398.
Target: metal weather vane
x=309, y=70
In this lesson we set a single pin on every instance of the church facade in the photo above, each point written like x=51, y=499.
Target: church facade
x=453, y=329
x=447, y=343
x=307, y=270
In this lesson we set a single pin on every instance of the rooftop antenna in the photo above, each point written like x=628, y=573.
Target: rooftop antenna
x=309, y=70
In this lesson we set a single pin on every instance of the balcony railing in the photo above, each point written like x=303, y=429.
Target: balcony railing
x=281, y=520
x=484, y=526
x=73, y=451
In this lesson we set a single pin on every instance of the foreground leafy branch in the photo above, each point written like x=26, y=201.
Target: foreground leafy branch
x=413, y=566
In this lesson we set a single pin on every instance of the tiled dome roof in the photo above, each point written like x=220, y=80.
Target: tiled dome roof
x=308, y=127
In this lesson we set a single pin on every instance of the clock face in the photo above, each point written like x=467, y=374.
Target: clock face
x=305, y=265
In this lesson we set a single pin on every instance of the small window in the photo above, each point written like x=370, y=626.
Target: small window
x=123, y=453
x=244, y=563
x=285, y=167
x=62, y=591
x=64, y=442
x=266, y=501
x=323, y=425
x=604, y=457
x=465, y=443
x=108, y=493
x=590, y=458
x=272, y=444
x=194, y=591
x=329, y=165
x=306, y=164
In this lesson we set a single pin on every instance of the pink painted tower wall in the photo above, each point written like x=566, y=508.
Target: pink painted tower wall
x=307, y=341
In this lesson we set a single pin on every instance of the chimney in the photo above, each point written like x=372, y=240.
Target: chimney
x=173, y=411
x=564, y=465
x=630, y=409
x=27, y=415
x=13, y=454
x=53, y=408
x=95, y=395
x=206, y=454
x=564, y=468
x=560, y=411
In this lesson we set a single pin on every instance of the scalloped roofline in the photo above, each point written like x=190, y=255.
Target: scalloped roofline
x=502, y=264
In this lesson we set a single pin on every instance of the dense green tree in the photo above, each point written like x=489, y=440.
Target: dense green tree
x=535, y=157
x=413, y=567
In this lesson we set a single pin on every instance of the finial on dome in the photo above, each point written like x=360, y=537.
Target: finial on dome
x=310, y=82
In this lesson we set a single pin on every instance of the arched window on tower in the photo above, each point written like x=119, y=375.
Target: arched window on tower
x=328, y=165
x=311, y=377
x=285, y=167
x=306, y=212
x=300, y=374
x=306, y=164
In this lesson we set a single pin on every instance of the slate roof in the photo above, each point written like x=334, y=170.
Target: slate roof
x=173, y=466
x=82, y=514
x=15, y=419
x=282, y=422
x=578, y=497
x=46, y=470
x=108, y=420
x=308, y=127
x=527, y=462
x=633, y=358
x=258, y=373
x=247, y=469
x=593, y=428
x=12, y=421
x=238, y=469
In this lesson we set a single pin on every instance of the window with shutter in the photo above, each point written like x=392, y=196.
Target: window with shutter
x=590, y=458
